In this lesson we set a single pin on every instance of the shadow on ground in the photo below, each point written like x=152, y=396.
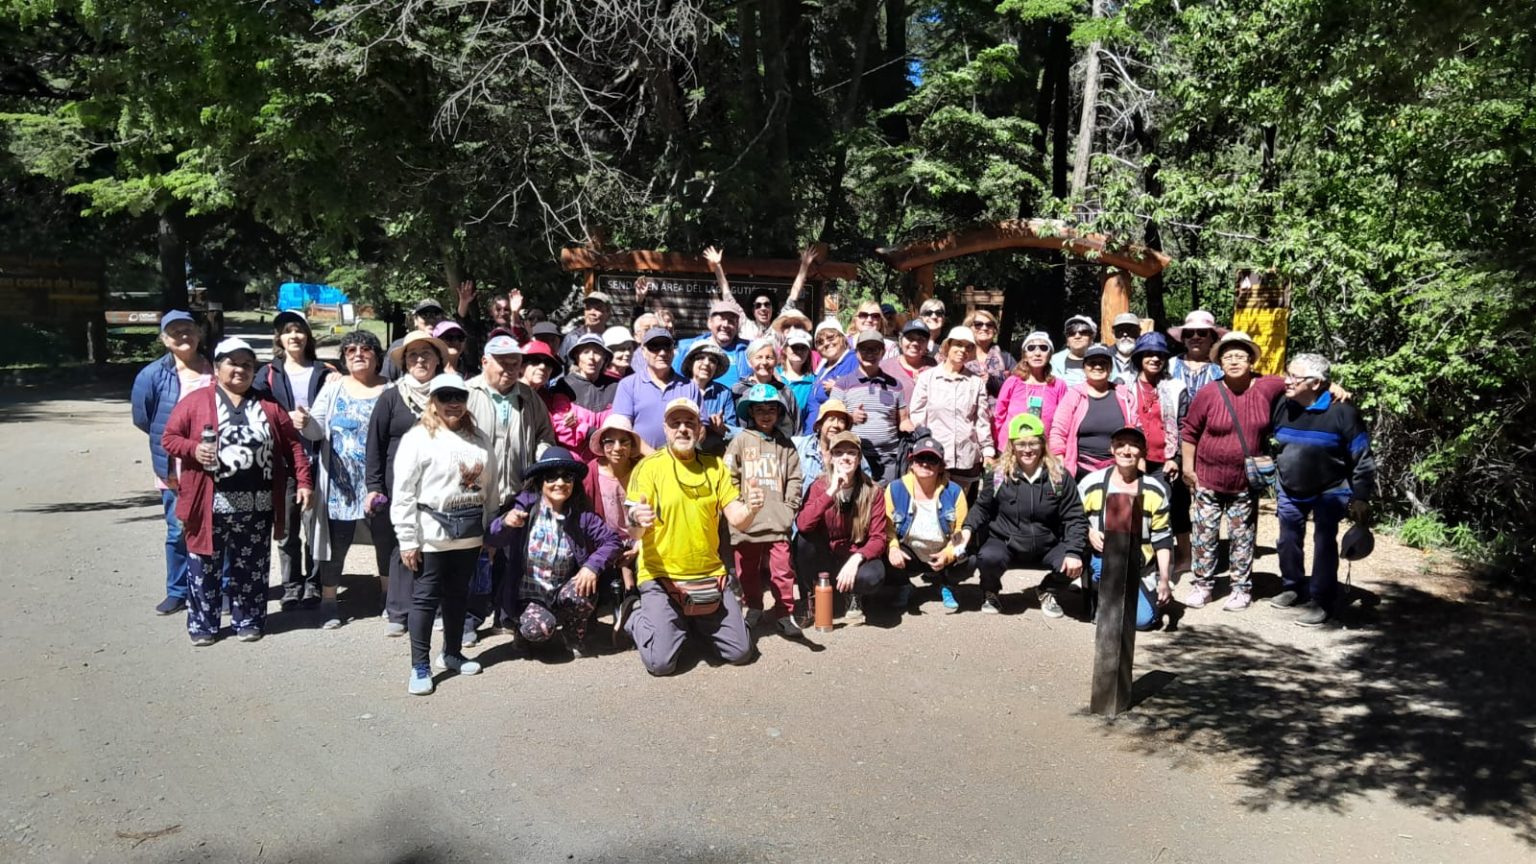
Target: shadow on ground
x=24, y=395
x=1424, y=699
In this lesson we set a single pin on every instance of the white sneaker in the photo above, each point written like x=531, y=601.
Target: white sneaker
x=419, y=685
x=855, y=611
x=458, y=664
x=753, y=616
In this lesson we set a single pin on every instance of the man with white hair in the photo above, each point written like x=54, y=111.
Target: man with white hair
x=676, y=497
x=1325, y=468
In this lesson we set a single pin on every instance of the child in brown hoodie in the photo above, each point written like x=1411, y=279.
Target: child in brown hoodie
x=761, y=456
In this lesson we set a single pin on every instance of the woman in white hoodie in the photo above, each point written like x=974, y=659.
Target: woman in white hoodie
x=444, y=497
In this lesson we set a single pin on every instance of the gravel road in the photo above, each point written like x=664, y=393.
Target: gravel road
x=1404, y=737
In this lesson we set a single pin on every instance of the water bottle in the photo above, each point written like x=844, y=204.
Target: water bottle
x=823, y=602
x=210, y=437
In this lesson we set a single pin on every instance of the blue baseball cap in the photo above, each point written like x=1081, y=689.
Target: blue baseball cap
x=173, y=316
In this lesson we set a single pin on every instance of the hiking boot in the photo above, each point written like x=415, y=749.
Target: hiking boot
x=394, y=629
x=753, y=616
x=947, y=597
x=420, y=682
x=1197, y=597
x=1312, y=615
x=458, y=663
x=1285, y=600
x=855, y=609
x=171, y=605
x=1050, y=607
x=1237, y=601
x=789, y=628
x=989, y=603
x=291, y=597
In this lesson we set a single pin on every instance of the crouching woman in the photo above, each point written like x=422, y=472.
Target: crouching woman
x=556, y=547
x=842, y=527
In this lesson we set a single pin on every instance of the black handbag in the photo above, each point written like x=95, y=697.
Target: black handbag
x=460, y=524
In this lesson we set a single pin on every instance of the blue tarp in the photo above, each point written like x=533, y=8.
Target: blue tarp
x=298, y=295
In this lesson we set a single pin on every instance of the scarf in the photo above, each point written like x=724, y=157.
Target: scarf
x=413, y=393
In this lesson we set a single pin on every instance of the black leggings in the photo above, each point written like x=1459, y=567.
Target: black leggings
x=443, y=580
x=994, y=557
x=814, y=555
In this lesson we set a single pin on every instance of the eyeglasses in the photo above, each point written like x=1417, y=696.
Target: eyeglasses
x=357, y=349
x=763, y=304
x=681, y=423
x=983, y=325
x=451, y=397
x=1297, y=379
x=247, y=365
x=1041, y=349
x=560, y=477
x=1239, y=354
x=614, y=442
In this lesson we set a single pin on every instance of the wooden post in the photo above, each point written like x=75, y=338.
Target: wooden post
x=923, y=277
x=1116, y=298
x=1114, y=647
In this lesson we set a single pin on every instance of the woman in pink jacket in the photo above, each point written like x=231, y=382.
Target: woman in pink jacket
x=1087, y=416
x=583, y=397
x=1031, y=388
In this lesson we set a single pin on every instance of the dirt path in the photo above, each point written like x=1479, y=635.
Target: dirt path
x=1406, y=737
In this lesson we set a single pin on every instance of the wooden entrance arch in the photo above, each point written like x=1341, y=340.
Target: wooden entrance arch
x=1123, y=260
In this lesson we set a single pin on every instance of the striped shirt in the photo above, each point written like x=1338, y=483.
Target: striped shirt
x=882, y=399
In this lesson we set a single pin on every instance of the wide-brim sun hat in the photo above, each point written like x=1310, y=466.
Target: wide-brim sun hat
x=556, y=459
x=613, y=423
x=1237, y=337
x=960, y=334
x=791, y=317
x=1025, y=424
x=757, y=394
x=1149, y=343
x=416, y=337
x=1197, y=320
x=590, y=340
x=828, y=408
x=701, y=348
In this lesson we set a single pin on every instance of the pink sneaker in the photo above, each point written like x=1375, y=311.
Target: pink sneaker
x=1197, y=597
x=1238, y=601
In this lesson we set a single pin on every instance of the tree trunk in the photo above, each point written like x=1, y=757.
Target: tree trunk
x=1088, y=124
x=1152, y=234
x=892, y=80
x=845, y=119
x=173, y=256
x=1061, y=64
x=780, y=228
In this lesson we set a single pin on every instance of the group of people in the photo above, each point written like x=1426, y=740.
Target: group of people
x=519, y=476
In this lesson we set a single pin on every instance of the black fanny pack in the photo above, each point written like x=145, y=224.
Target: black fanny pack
x=460, y=524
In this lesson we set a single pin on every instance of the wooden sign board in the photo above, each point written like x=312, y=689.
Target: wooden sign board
x=689, y=297
x=51, y=291
x=1263, y=311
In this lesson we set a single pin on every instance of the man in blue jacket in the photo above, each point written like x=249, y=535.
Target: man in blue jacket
x=1324, y=463
x=156, y=390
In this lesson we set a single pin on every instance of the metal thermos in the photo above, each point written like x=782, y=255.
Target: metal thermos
x=210, y=437
x=824, y=602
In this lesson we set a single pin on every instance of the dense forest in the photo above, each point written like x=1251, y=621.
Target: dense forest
x=1378, y=155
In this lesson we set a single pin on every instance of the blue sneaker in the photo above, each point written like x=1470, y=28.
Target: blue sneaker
x=171, y=605
x=951, y=605
x=421, y=681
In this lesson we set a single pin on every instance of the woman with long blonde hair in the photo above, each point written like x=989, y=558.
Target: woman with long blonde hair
x=1028, y=512
x=842, y=528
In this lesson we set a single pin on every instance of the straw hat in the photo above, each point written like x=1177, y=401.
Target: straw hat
x=397, y=356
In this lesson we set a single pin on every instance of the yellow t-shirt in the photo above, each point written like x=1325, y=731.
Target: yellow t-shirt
x=689, y=499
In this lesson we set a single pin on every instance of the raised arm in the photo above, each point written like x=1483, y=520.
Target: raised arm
x=808, y=256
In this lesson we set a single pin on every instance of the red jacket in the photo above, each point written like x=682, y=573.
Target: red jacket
x=194, y=504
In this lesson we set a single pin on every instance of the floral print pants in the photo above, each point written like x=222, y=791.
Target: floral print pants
x=571, y=612
x=240, y=564
x=1241, y=512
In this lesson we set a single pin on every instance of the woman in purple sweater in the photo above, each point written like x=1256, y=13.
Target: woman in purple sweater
x=1213, y=466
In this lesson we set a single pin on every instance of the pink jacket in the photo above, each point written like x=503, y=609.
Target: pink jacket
x=1013, y=400
x=1070, y=414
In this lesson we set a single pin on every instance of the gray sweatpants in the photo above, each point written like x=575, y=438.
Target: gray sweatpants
x=659, y=627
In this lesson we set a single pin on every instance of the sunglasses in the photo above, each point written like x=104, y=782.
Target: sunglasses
x=1198, y=334
x=614, y=442
x=871, y=348
x=933, y=314
x=560, y=477
x=1041, y=349
x=451, y=397
x=661, y=349
x=928, y=461
x=869, y=316
x=1079, y=331
x=983, y=325
x=763, y=304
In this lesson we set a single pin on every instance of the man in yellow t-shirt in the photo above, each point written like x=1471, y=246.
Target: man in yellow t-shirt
x=676, y=497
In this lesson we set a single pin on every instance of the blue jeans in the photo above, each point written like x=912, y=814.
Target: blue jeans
x=175, y=549
x=1146, y=597
x=1327, y=511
